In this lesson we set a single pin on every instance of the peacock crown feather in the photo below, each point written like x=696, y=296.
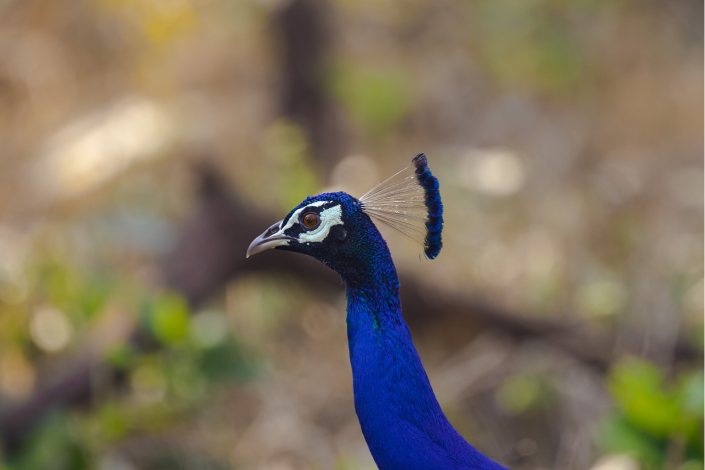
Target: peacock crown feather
x=409, y=202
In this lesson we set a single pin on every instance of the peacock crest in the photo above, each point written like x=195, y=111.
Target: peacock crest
x=409, y=202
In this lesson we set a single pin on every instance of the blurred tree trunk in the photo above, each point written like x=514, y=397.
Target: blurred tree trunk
x=305, y=39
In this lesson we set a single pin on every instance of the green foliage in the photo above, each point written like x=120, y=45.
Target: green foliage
x=159, y=387
x=121, y=356
x=654, y=420
x=226, y=361
x=293, y=173
x=55, y=446
x=524, y=46
x=378, y=99
x=602, y=296
x=522, y=393
x=168, y=319
x=60, y=283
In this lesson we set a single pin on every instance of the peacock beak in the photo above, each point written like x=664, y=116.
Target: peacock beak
x=270, y=238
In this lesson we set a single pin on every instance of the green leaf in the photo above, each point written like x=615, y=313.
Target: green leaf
x=690, y=392
x=618, y=435
x=169, y=319
x=690, y=398
x=122, y=356
x=638, y=389
x=114, y=424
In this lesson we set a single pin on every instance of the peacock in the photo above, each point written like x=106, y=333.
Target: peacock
x=400, y=418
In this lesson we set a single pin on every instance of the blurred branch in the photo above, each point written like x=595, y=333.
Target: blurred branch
x=73, y=388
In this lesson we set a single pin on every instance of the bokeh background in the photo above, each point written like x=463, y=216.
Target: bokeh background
x=145, y=143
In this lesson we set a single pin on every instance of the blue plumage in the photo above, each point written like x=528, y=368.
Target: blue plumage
x=432, y=198
x=399, y=415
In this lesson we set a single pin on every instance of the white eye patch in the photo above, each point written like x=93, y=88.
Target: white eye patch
x=295, y=216
x=329, y=218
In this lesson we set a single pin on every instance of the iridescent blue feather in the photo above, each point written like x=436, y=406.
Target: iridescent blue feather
x=434, y=205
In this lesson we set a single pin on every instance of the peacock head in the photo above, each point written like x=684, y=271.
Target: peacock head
x=337, y=228
x=318, y=225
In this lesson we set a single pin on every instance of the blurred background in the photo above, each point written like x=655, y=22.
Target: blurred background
x=145, y=143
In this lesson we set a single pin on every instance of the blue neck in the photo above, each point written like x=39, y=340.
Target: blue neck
x=400, y=417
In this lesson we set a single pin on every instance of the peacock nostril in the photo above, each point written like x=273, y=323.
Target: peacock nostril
x=271, y=230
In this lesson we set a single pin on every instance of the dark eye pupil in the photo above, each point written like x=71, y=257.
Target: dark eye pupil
x=310, y=220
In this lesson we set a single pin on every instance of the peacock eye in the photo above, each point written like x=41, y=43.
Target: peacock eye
x=310, y=220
